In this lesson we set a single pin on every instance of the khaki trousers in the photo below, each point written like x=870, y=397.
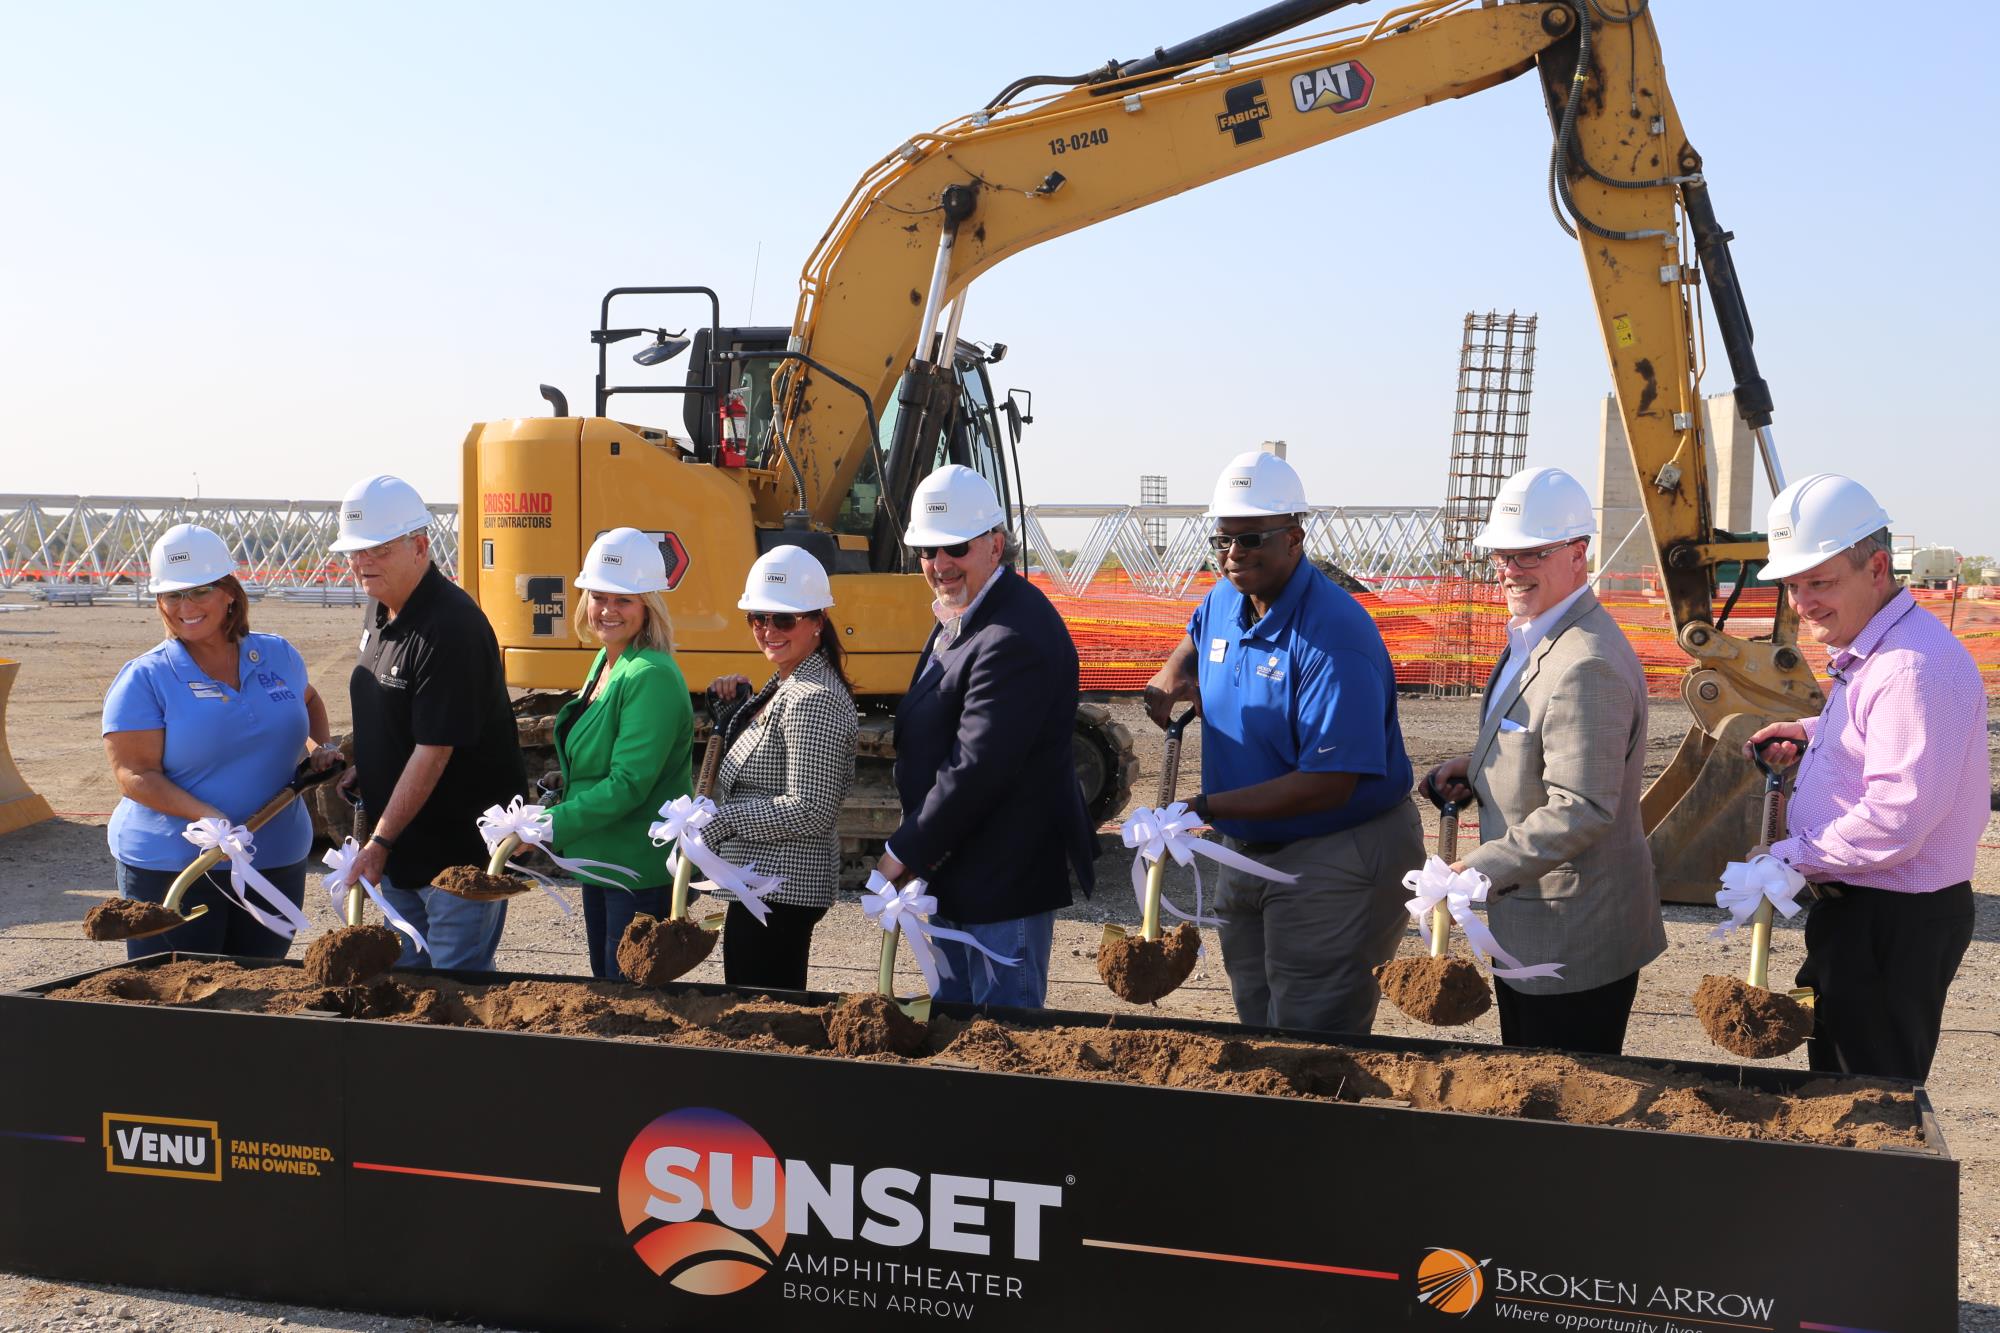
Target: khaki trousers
x=1303, y=955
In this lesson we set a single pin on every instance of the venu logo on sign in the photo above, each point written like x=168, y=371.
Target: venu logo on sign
x=729, y=1204
x=153, y=1145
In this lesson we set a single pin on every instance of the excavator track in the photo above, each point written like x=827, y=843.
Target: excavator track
x=1106, y=764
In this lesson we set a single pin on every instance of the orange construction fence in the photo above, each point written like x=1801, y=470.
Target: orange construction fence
x=1449, y=633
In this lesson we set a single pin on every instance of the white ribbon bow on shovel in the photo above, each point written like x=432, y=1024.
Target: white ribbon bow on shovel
x=681, y=822
x=1170, y=831
x=1458, y=891
x=340, y=862
x=1745, y=884
x=909, y=910
x=533, y=826
x=235, y=843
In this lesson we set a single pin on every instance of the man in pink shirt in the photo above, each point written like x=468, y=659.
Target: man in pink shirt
x=1892, y=791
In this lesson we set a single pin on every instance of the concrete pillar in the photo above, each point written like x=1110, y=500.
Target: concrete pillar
x=1618, y=506
x=1732, y=464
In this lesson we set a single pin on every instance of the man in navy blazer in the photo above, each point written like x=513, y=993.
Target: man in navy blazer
x=993, y=820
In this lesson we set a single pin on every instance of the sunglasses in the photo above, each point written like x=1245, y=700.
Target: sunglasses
x=957, y=551
x=1246, y=541
x=1525, y=560
x=196, y=593
x=781, y=621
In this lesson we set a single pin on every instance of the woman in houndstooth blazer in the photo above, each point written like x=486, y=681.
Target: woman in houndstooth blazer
x=788, y=761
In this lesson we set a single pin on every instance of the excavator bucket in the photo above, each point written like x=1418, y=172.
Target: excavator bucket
x=19, y=806
x=1699, y=812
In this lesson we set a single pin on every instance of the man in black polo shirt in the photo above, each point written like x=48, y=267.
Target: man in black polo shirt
x=433, y=732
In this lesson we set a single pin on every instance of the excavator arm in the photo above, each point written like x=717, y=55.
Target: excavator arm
x=925, y=221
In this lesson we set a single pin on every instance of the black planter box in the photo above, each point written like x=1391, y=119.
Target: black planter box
x=563, y=1182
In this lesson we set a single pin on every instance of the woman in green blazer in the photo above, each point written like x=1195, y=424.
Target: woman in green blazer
x=624, y=743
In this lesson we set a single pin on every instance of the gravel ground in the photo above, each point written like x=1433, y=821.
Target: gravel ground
x=54, y=872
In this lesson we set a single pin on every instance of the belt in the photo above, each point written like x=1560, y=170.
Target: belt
x=1263, y=848
x=1827, y=891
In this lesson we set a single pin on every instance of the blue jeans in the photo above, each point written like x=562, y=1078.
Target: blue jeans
x=226, y=928
x=1024, y=986
x=462, y=934
x=606, y=913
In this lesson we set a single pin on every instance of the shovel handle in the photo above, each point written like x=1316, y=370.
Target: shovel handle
x=354, y=901
x=885, y=980
x=1170, y=762
x=306, y=776
x=711, y=764
x=497, y=863
x=1760, y=946
x=1447, y=852
x=1156, y=874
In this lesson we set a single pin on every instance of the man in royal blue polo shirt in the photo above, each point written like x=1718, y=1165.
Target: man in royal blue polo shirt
x=1302, y=762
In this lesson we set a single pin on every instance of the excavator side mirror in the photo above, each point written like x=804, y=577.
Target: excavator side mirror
x=1018, y=417
x=663, y=349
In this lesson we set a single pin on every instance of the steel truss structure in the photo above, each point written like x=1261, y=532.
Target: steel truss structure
x=1382, y=545
x=103, y=540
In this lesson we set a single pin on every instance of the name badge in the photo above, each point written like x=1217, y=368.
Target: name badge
x=206, y=690
x=362, y=647
x=1217, y=649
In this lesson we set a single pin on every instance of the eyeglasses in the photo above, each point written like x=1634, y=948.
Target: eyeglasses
x=1246, y=541
x=195, y=593
x=1525, y=560
x=957, y=551
x=782, y=621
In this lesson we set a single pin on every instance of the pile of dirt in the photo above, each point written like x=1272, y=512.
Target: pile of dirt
x=653, y=952
x=127, y=919
x=1441, y=991
x=1142, y=970
x=1536, y=1085
x=874, y=1025
x=1750, y=1021
x=351, y=955
x=472, y=882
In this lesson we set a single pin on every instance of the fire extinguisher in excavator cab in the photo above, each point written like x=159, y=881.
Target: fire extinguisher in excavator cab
x=734, y=447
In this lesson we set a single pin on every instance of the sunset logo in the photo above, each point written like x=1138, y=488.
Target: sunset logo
x=705, y=1197
x=1450, y=1281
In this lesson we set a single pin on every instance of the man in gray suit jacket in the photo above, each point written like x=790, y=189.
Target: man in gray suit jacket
x=1558, y=768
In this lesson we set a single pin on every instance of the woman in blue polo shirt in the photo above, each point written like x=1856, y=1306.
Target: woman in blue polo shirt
x=210, y=724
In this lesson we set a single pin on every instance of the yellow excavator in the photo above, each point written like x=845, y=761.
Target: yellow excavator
x=818, y=433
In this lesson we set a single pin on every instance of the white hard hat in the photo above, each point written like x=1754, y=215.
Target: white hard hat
x=1815, y=519
x=624, y=560
x=1535, y=507
x=953, y=504
x=786, y=578
x=1257, y=485
x=377, y=510
x=187, y=556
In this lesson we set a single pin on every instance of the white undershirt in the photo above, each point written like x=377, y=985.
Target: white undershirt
x=1523, y=637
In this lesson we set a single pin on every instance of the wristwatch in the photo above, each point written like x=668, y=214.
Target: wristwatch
x=1199, y=805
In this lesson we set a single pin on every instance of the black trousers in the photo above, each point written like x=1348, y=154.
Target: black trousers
x=1589, y=1022
x=1879, y=964
x=771, y=956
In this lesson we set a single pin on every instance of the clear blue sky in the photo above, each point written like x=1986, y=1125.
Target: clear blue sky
x=284, y=245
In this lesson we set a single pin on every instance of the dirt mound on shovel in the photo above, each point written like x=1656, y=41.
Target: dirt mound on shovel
x=126, y=919
x=873, y=1025
x=653, y=952
x=1534, y=1085
x=1441, y=991
x=351, y=955
x=1142, y=970
x=1749, y=1021
x=472, y=882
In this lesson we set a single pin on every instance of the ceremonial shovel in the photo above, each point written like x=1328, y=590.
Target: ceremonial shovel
x=1145, y=968
x=1746, y=1018
x=1438, y=990
x=102, y=929
x=654, y=952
